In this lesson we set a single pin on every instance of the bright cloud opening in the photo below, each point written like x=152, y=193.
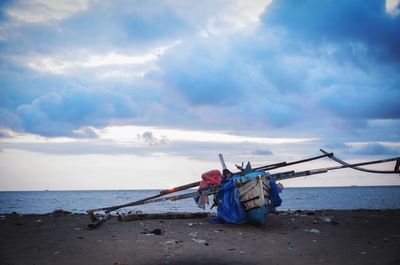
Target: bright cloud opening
x=392, y=7
x=65, y=64
x=43, y=11
x=129, y=133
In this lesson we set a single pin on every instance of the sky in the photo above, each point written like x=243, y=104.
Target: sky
x=118, y=94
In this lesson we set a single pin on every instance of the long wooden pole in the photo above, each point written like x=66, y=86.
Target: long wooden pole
x=293, y=174
x=286, y=164
x=138, y=202
x=331, y=156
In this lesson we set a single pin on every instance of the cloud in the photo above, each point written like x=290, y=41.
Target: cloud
x=392, y=7
x=60, y=113
x=369, y=100
x=103, y=63
x=263, y=152
x=9, y=120
x=200, y=72
x=150, y=139
x=45, y=11
x=352, y=26
x=376, y=149
x=244, y=66
x=87, y=132
x=336, y=145
x=4, y=134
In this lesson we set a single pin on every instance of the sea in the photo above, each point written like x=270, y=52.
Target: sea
x=335, y=198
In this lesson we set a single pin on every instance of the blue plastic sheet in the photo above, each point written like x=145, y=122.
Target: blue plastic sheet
x=274, y=194
x=229, y=210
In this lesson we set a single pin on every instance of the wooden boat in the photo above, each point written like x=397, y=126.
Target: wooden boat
x=252, y=190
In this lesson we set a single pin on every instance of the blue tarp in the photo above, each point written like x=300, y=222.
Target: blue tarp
x=230, y=209
x=274, y=194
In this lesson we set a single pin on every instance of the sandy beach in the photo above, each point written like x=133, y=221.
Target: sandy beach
x=301, y=237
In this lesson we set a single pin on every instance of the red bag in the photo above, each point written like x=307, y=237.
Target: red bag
x=212, y=177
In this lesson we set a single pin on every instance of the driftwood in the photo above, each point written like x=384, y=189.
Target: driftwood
x=150, y=216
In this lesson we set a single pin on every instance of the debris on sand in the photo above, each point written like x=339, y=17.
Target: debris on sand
x=156, y=231
x=313, y=231
x=60, y=213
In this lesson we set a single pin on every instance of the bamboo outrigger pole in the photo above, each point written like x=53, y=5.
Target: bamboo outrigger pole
x=141, y=201
x=396, y=169
x=293, y=174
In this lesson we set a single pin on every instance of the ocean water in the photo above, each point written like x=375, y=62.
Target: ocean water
x=38, y=202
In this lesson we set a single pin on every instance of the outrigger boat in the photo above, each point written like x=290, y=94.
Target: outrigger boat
x=245, y=196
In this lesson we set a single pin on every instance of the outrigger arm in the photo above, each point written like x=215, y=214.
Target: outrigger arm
x=293, y=174
x=396, y=169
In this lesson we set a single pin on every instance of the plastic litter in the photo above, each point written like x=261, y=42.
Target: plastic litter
x=200, y=241
x=313, y=231
x=193, y=234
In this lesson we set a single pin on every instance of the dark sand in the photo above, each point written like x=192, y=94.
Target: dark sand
x=327, y=237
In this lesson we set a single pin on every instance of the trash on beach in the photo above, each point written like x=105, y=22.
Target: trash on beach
x=193, y=234
x=171, y=242
x=59, y=213
x=315, y=221
x=292, y=249
x=330, y=220
x=313, y=231
x=200, y=241
x=156, y=231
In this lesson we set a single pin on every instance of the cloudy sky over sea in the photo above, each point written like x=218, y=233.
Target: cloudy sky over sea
x=101, y=94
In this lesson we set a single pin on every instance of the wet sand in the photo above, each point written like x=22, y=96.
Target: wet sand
x=321, y=237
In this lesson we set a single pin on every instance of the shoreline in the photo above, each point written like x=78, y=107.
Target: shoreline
x=288, y=237
x=158, y=189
